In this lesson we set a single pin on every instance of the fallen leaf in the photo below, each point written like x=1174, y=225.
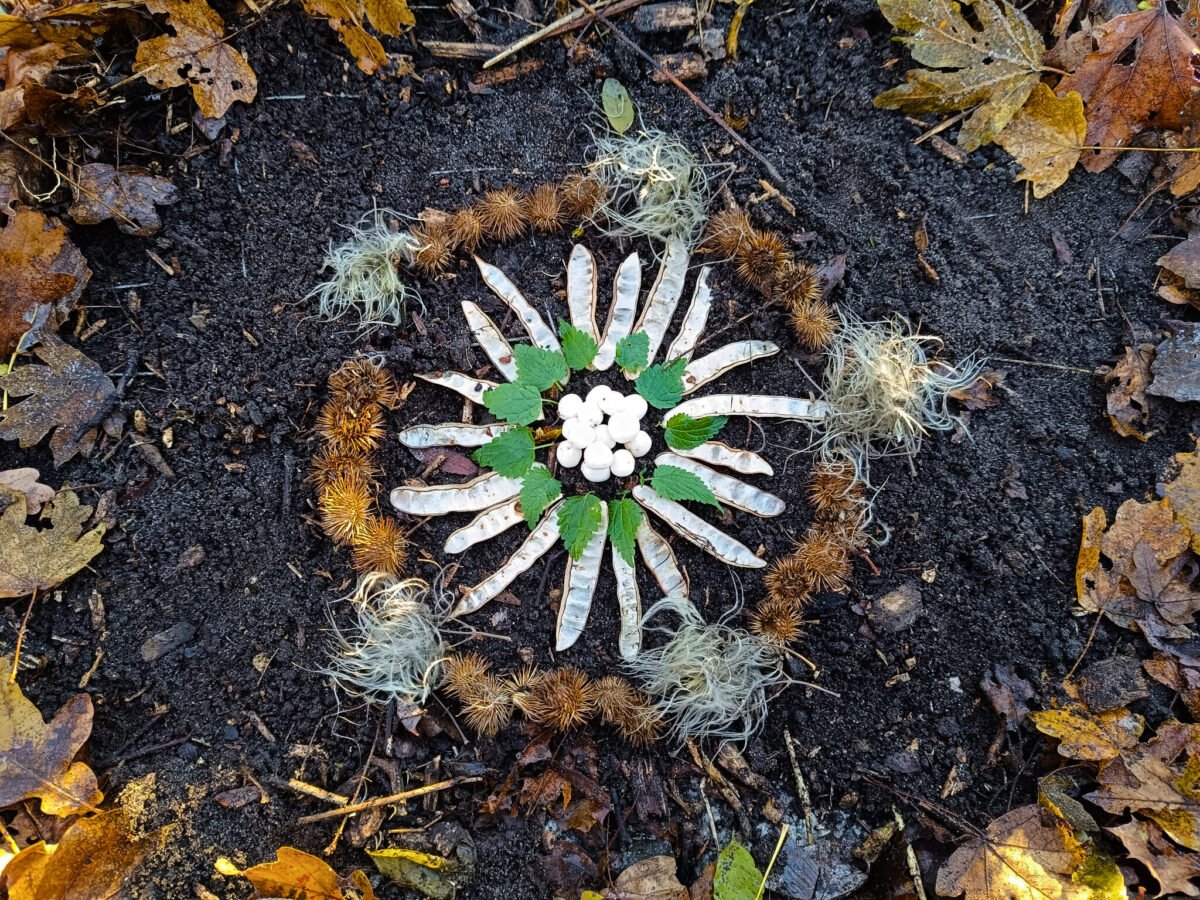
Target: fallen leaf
x=129, y=195
x=1172, y=870
x=42, y=275
x=1153, y=88
x=1109, y=684
x=1009, y=694
x=992, y=68
x=650, y=879
x=1183, y=491
x=38, y=759
x=1176, y=367
x=1058, y=792
x=25, y=481
x=979, y=394
x=1046, y=137
x=1127, y=406
x=1026, y=854
x=1147, y=582
x=736, y=876
x=70, y=395
x=300, y=876
x=1184, y=260
x=1084, y=736
x=821, y=857
x=19, y=69
x=37, y=559
x=442, y=861
x=347, y=18
x=196, y=55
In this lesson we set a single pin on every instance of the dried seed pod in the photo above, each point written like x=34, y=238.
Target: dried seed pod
x=461, y=671
x=328, y=464
x=832, y=487
x=380, y=546
x=798, y=283
x=825, y=562
x=761, y=259
x=504, y=213
x=345, y=504
x=521, y=682
x=466, y=228
x=581, y=195
x=815, y=323
x=563, y=699
x=777, y=620
x=727, y=231
x=627, y=709
x=362, y=380
x=348, y=428
x=546, y=208
x=488, y=705
x=435, y=250
x=787, y=581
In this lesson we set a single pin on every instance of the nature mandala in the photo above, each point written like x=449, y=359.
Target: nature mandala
x=601, y=430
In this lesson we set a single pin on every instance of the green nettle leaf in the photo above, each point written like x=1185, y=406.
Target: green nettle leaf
x=624, y=517
x=538, y=490
x=679, y=484
x=539, y=368
x=662, y=385
x=633, y=352
x=618, y=105
x=736, y=877
x=683, y=432
x=517, y=403
x=510, y=452
x=579, y=348
x=578, y=519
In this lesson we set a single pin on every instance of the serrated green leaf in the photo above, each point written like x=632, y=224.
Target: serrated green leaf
x=633, y=352
x=684, y=433
x=578, y=519
x=538, y=368
x=579, y=348
x=679, y=484
x=662, y=385
x=538, y=490
x=736, y=877
x=624, y=517
x=510, y=452
x=618, y=105
x=517, y=403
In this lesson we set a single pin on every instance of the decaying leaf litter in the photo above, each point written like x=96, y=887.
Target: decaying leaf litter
x=917, y=757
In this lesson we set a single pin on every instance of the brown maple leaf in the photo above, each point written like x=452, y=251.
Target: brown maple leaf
x=1127, y=405
x=37, y=559
x=348, y=18
x=1172, y=870
x=196, y=55
x=129, y=195
x=69, y=395
x=37, y=759
x=1153, y=89
x=18, y=70
x=42, y=275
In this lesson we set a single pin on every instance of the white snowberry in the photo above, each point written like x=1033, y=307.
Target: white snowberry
x=612, y=403
x=595, y=475
x=635, y=405
x=568, y=406
x=568, y=456
x=622, y=427
x=640, y=445
x=578, y=433
x=604, y=437
x=622, y=463
x=590, y=414
x=598, y=393
x=597, y=456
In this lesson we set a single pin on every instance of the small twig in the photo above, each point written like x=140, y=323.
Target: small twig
x=774, y=856
x=145, y=751
x=801, y=788
x=577, y=18
x=303, y=787
x=12, y=676
x=385, y=801
x=1042, y=365
x=688, y=92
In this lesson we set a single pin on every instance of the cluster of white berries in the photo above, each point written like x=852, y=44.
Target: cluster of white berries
x=589, y=439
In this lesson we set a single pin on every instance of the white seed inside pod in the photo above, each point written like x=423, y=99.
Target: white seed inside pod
x=597, y=456
x=590, y=414
x=635, y=405
x=595, y=474
x=569, y=405
x=567, y=455
x=622, y=427
x=603, y=437
x=640, y=445
x=622, y=463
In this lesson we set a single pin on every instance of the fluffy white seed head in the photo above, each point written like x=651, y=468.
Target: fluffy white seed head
x=568, y=455
x=622, y=463
x=623, y=428
x=640, y=445
x=569, y=405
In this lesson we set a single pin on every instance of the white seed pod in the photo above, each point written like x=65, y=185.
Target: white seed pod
x=603, y=436
x=640, y=445
x=691, y=527
x=534, y=548
x=623, y=428
x=579, y=585
x=660, y=560
x=595, y=475
x=578, y=433
x=626, y=286
x=569, y=406
x=488, y=336
x=629, y=605
x=568, y=455
x=465, y=385
x=450, y=434
x=581, y=291
x=635, y=405
x=694, y=320
x=597, y=456
x=590, y=414
x=716, y=453
x=622, y=464
x=664, y=296
x=728, y=490
x=485, y=526
x=539, y=332
x=753, y=405
x=724, y=359
x=612, y=403
x=442, y=499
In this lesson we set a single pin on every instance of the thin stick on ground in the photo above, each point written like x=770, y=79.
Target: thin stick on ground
x=12, y=676
x=389, y=800
x=575, y=19
x=700, y=104
x=783, y=833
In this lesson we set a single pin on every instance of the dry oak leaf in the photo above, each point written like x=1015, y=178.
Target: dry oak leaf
x=37, y=559
x=1127, y=405
x=1026, y=854
x=1184, y=493
x=25, y=481
x=654, y=878
x=1084, y=736
x=1172, y=870
x=42, y=275
x=196, y=54
x=1148, y=580
x=1045, y=137
x=18, y=70
x=70, y=395
x=1184, y=260
x=1150, y=782
x=93, y=861
x=993, y=68
x=1153, y=89
x=347, y=17
x=129, y=195
x=37, y=759
x=300, y=876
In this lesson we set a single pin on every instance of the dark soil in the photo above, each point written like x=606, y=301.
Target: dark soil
x=321, y=147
